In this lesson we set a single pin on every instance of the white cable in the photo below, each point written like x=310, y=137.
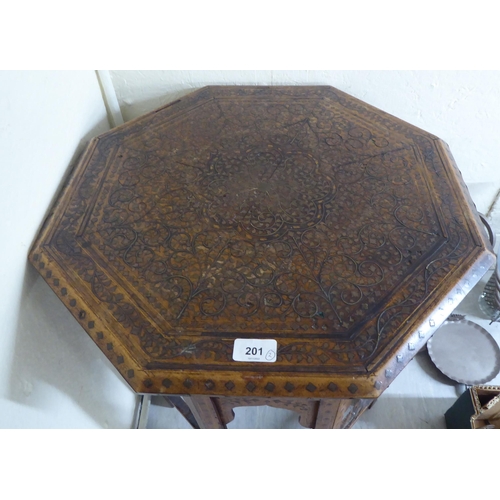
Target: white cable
x=110, y=100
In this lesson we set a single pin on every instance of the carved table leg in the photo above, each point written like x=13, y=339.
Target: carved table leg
x=306, y=408
x=216, y=412
x=205, y=412
x=327, y=412
x=184, y=409
x=340, y=413
x=349, y=411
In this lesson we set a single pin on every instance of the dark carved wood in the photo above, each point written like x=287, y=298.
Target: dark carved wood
x=217, y=412
x=205, y=411
x=306, y=408
x=298, y=214
x=180, y=405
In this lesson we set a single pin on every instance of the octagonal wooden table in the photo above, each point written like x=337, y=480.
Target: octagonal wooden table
x=291, y=214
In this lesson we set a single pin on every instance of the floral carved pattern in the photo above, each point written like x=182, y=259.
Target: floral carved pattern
x=264, y=215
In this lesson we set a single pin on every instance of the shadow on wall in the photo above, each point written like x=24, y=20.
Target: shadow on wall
x=134, y=109
x=53, y=350
x=139, y=107
x=54, y=355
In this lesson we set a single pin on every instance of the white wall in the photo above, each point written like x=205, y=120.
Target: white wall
x=51, y=373
x=461, y=107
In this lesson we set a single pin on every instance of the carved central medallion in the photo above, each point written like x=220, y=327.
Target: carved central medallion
x=267, y=191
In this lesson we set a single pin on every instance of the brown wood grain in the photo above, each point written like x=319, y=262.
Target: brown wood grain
x=298, y=214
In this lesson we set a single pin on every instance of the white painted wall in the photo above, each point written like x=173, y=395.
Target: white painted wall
x=461, y=107
x=51, y=373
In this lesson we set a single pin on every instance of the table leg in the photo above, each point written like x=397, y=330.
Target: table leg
x=328, y=411
x=184, y=409
x=305, y=408
x=216, y=412
x=205, y=412
x=349, y=411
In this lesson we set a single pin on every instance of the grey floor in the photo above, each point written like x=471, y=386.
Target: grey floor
x=417, y=399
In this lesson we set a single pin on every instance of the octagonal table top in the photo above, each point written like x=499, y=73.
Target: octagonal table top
x=298, y=214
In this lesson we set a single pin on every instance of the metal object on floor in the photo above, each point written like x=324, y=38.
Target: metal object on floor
x=488, y=301
x=465, y=352
x=488, y=230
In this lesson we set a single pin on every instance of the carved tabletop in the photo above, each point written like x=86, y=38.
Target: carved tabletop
x=298, y=214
